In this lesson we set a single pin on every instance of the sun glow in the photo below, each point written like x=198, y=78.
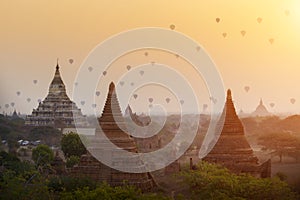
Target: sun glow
x=294, y=11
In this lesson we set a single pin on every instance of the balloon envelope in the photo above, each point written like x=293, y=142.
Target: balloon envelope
x=247, y=88
x=292, y=100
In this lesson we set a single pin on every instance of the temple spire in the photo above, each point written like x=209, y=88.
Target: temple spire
x=57, y=78
x=229, y=94
x=111, y=106
x=57, y=66
x=229, y=109
x=260, y=102
x=232, y=149
x=111, y=88
x=261, y=110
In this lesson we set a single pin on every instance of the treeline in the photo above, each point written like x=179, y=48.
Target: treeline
x=25, y=180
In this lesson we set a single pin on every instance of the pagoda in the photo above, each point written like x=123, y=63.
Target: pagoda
x=140, y=124
x=140, y=120
x=56, y=110
x=232, y=149
x=114, y=127
x=261, y=110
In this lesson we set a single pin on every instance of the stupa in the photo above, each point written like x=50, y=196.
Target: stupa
x=15, y=115
x=56, y=110
x=260, y=110
x=232, y=149
x=114, y=127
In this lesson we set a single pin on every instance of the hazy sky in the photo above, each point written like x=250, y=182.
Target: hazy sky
x=254, y=43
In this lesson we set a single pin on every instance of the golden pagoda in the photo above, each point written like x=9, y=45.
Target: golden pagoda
x=261, y=110
x=56, y=110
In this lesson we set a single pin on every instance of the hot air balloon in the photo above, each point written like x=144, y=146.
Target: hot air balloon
x=259, y=20
x=292, y=100
x=172, y=26
x=243, y=33
x=247, y=88
x=168, y=99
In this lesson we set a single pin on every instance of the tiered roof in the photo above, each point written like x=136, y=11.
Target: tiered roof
x=56, y=109
x=113, y=125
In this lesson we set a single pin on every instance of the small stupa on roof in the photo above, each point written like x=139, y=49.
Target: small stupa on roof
x=261, y=110
x=56, y=109
x=113, y=125
x=232, y=149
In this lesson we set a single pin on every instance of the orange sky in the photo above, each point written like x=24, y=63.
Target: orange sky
x=34, y=33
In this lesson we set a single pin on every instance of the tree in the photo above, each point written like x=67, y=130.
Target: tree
x=281, y=143
x=47, y=134
x=71, y=145
x=20, y=180
x=72, y=160
x=9, y=161
x=13, y=145
x=212, y=181
x=71, y=184
x=106, y=192
x=42, y=155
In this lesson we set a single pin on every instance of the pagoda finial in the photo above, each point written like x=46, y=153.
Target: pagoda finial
x=229, y=94
x=111, y=87
x=260, y=102
x=57, y=66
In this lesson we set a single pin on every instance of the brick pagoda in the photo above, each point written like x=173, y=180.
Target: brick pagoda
x=114, y=127
x=232, y=149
